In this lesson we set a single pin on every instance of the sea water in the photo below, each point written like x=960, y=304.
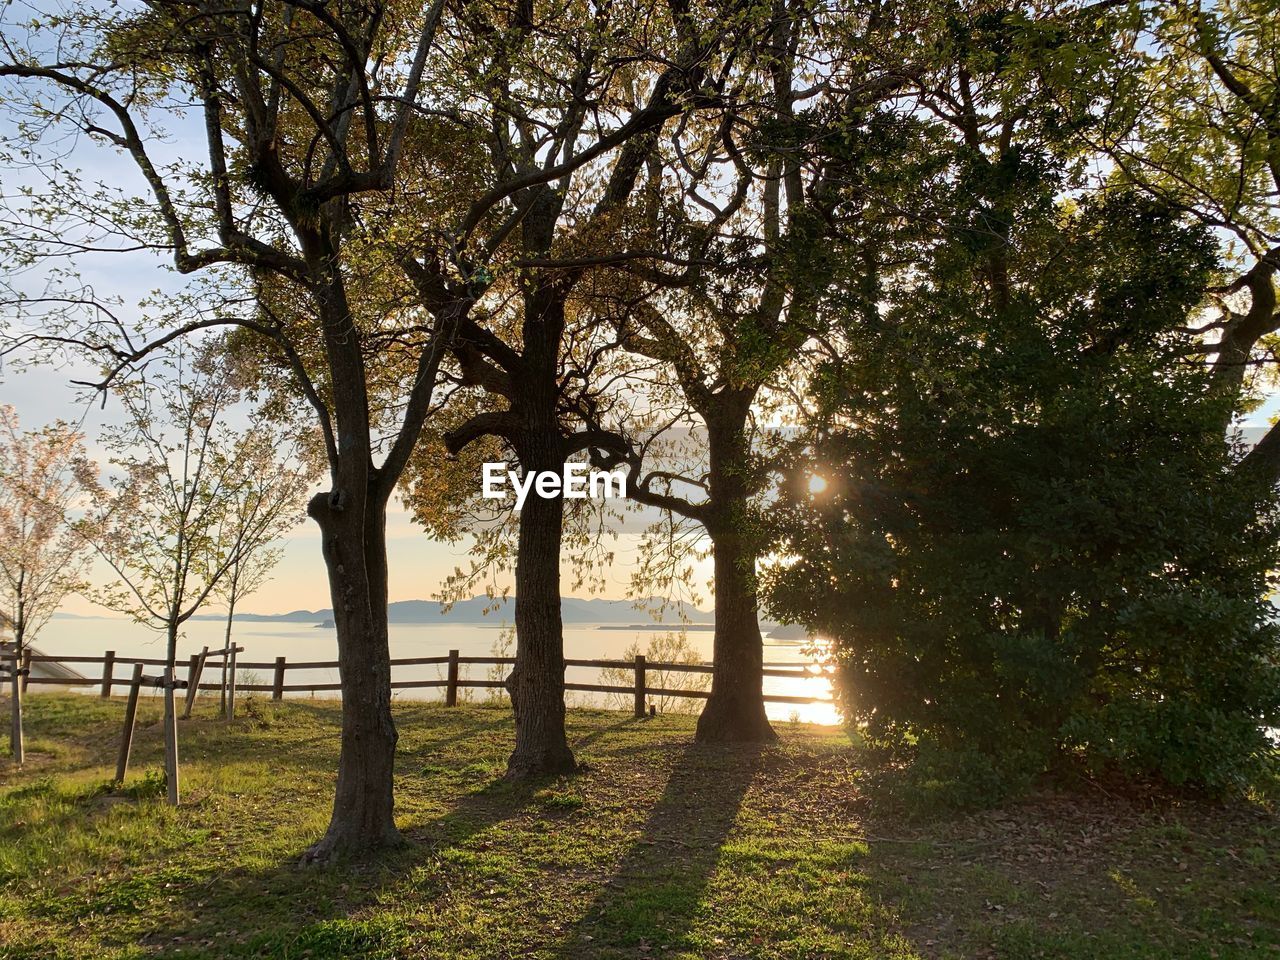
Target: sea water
x=264, y=641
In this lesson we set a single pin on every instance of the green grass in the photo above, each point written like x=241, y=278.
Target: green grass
x=660, y=850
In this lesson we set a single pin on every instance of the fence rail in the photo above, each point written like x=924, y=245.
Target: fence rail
x=451, y=683
x=16, y=672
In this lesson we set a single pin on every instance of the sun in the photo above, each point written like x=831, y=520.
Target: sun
x=817, y=484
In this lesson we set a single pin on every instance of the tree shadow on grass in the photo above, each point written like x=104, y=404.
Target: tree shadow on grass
x=602, y=732
x=180, y=900
x=460, y=736
x=284, y=910
x=653, y=897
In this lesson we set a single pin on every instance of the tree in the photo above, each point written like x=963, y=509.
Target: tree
x=781, y=175
x=330, y=163
x=535, y=357
x=1191, y=109
x=272, y=484
x=1014, y=554
x=308, y=113
x=188, y=502
x=45, y=475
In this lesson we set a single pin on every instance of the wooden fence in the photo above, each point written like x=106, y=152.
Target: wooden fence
x=19, y=677
x=453, y=680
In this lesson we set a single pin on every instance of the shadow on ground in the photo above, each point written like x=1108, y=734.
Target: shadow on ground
x=653, y=896
x=284, y=910
x=662, y=849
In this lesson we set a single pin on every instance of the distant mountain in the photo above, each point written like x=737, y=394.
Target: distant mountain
x=789, y=631
x=572, y=610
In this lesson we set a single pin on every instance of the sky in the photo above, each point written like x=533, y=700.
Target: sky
x=418, y=564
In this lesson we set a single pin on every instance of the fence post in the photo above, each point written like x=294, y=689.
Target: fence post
x=193, y=681
x=15, y=733
x=130, y=718
x=277, y=691
x=639, y=685
x=171, y=737
x=451, y=691
x=108, y=665
x=231, y=683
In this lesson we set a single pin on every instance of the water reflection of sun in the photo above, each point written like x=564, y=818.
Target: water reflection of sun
x=815, y=682
x=822, y=713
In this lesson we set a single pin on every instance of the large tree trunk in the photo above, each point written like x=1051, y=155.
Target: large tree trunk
x=536, y=683
x=354, y=543
x=352, y=520
x=735, y=711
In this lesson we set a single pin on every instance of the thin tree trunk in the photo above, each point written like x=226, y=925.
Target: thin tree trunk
x=735, y=711
x=172, y=775
x=17, y=743
x=228, y=658
x=536, y=683
x=354, y=543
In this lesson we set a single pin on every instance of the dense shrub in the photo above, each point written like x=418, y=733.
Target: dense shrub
x=1033, y=547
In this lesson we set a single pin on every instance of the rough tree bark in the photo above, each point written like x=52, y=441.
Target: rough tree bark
x=536, y=683
x=735, y=711
x=354, y=544
x=352, y=521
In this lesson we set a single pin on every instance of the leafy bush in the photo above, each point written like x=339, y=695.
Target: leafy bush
x=1034, y=547
x=669, y=647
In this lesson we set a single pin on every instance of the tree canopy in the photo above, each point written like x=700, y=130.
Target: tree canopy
x=1002, y=276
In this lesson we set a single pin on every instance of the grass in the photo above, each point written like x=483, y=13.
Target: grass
x=660, y=850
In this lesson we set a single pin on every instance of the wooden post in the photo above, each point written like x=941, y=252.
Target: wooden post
x=451, y=691
x=108, y=665
x=26, y=668
x=171, y=737
x=130, y=718
x=193, y=680
x=639, y=685
x=231, y=683
x=15, y=733
x=277, y=691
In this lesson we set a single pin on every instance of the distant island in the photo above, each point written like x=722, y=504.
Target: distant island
x=576, y=610
x=789, y=631
x=674, y=626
